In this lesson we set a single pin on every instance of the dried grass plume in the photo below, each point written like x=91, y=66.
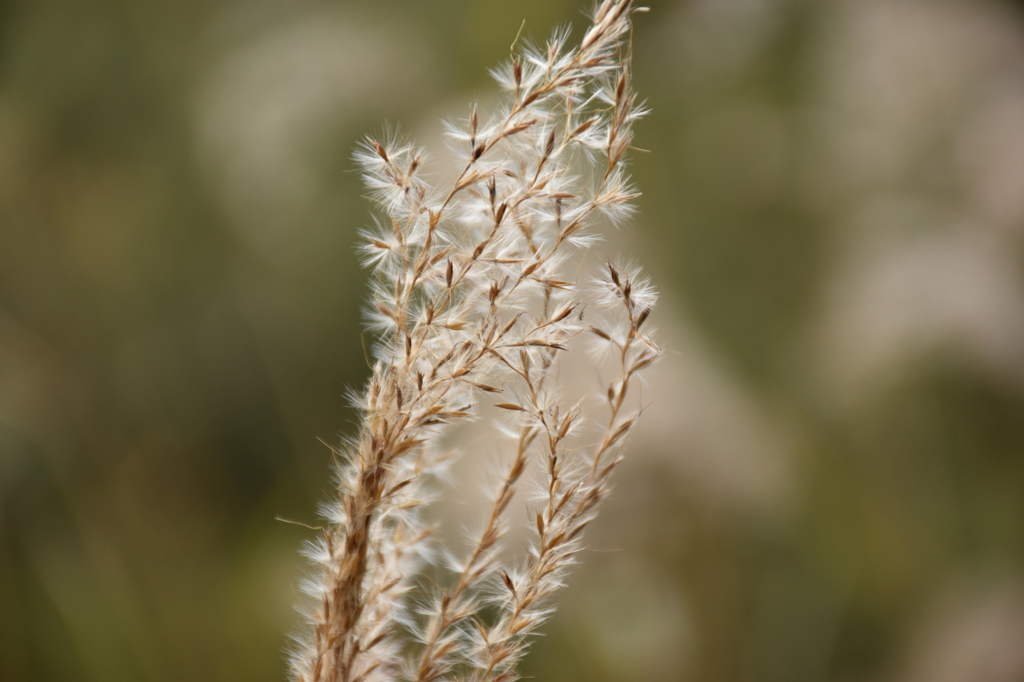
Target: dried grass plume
x=475, y=297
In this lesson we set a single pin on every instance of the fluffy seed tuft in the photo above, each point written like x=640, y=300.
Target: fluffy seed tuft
x=474, y=300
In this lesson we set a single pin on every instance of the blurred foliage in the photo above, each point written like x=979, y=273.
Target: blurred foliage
x=832, y=484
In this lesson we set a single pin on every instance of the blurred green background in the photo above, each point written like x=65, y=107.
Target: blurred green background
x=829, y=483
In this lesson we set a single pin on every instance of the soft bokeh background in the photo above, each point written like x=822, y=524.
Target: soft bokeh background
x=828, y=485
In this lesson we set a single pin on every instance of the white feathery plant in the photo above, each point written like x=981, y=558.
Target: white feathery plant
x=471, y=299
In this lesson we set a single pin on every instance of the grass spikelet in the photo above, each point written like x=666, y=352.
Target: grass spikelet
x=474, y=300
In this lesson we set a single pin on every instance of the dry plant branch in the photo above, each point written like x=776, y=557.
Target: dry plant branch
x=470, y=299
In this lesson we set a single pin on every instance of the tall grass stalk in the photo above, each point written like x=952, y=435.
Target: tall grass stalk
x=475, y=297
